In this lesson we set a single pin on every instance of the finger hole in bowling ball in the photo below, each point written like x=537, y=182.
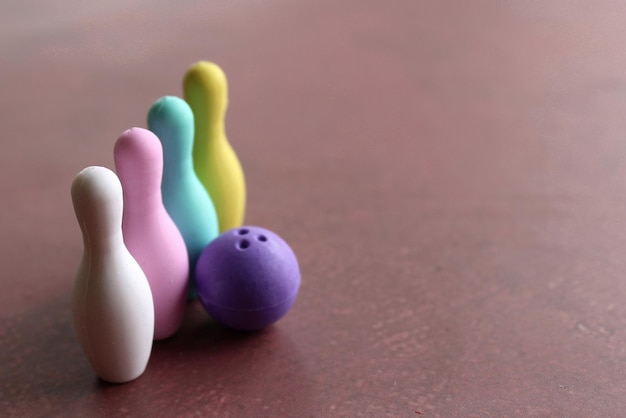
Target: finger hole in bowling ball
x=243, y=244
x=242, y=231
x=262, y=238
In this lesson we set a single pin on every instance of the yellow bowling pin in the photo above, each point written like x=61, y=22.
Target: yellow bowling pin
x=216, y=164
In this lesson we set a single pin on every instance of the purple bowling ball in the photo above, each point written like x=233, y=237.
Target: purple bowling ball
x=247, y=278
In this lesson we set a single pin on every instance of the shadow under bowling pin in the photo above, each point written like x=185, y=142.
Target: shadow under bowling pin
x=218, y=168
x=149, y=233
x=111, y=299
x=184, y=197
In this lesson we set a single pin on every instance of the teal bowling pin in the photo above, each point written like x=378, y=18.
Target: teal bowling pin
x=185, y=199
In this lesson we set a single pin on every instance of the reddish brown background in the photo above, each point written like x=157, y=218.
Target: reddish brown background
x=451, y=174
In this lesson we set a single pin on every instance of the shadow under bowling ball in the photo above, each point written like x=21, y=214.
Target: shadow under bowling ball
x=214, y=363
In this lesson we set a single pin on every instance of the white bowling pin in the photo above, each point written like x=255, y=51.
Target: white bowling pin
x=111, y=300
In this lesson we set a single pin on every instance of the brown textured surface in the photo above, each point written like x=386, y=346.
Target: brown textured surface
x=451, y=175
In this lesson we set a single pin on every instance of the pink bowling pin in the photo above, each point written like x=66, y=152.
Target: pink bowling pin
x=149, y=233
x=111, y=299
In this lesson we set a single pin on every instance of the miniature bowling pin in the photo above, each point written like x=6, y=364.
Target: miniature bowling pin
x=218, y=168
x=111, y=299
x=149, y=233
x=184, y=197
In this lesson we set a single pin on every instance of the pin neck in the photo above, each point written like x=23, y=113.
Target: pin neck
x=142, y=201
x=216, y=130
x=176, y=164
x=102, y=242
